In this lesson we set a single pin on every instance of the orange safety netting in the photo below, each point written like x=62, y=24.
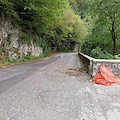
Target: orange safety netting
x=105, y=77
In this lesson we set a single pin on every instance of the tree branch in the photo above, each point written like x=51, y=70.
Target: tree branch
x=109, y=29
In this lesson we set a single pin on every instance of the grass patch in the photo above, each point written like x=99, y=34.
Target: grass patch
x=24, y=59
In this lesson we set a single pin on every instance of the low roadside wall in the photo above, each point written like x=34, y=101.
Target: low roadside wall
x=93, y=64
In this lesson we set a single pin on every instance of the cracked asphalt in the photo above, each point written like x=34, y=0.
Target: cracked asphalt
x=55, y=88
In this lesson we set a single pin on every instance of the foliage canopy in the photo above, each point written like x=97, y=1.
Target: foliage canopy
x=53, y=21
x=105, y=26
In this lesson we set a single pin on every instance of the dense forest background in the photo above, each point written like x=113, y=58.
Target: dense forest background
x=61, y=25
x=103, y=40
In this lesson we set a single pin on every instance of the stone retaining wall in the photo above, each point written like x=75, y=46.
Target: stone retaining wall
x=93, y=64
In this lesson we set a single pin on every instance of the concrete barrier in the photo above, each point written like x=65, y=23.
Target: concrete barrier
x=93, y=64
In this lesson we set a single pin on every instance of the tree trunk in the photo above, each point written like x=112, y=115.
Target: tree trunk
x=114, y=47
x=113, y=38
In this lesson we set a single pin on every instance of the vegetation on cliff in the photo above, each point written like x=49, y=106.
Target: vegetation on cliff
x=54, y=24
x=58, y=25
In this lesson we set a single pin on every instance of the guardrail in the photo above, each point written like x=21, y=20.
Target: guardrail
x=93, y=64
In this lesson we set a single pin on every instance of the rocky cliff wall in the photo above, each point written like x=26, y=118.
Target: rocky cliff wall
x=10, y=45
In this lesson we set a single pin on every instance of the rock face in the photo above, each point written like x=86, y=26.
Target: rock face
x=10, y=44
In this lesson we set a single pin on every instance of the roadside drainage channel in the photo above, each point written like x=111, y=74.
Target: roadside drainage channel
x=93, y=64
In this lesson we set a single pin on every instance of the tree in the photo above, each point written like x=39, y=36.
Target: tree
x=107, y=20
x=68, y=32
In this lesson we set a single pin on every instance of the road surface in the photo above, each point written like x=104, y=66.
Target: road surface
x=55, y=88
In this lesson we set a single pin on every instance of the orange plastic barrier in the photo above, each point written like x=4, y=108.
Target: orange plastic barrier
x=105, y=76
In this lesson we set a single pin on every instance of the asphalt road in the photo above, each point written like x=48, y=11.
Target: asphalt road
x=55, y=88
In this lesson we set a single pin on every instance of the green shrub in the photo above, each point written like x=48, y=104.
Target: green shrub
x=98, y=53
x=95, y=53
x=117, y=57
